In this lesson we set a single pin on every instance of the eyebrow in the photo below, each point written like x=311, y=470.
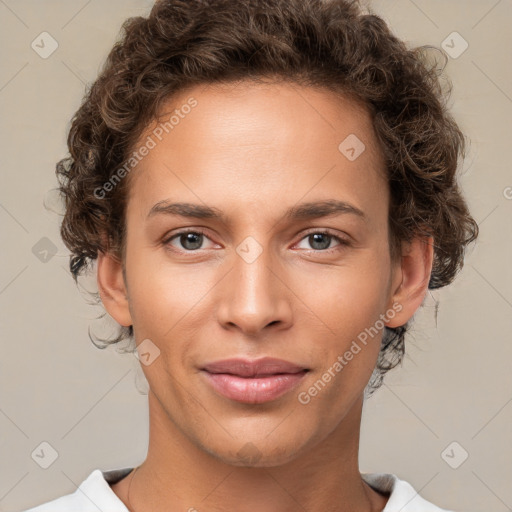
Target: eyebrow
x=303, y=211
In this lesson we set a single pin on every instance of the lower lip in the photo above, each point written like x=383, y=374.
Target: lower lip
x=255, y=390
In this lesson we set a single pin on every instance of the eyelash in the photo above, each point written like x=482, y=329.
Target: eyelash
x=342, y=241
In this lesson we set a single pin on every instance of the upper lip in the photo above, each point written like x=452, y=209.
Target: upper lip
x=247, y=368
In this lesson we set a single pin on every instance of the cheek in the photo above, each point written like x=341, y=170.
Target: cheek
x=348, y=298
x=170, y=305
x=352, y=311
x=350, y=304
x=160, y=293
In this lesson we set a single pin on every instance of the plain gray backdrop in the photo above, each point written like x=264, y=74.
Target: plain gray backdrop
x=441, y=421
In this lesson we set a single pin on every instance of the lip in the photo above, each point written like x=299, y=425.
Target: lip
x=255, y=368
x=253, y=382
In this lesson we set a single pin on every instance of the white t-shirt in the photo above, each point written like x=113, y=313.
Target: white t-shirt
x=94, y=494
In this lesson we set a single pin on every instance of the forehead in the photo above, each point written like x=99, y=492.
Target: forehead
x=259, y=143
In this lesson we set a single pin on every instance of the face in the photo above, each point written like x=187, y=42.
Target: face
x=286, y=256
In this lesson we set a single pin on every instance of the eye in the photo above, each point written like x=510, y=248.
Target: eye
x=192, y=240
x=321, y=241
x=189, y=240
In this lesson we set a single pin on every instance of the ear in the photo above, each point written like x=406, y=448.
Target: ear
x=112, y=288
x=411, y=279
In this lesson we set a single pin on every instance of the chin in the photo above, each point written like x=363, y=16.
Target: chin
x=260, y=453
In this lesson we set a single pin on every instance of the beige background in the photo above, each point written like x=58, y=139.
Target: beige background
x=455, y=384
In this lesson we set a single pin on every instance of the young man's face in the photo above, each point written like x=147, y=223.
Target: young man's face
x=257, y=283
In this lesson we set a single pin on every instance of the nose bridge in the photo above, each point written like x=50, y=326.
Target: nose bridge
x=253, y=296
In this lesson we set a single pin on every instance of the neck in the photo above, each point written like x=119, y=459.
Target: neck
x=179, y=475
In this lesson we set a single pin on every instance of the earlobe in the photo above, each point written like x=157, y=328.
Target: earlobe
x=415, y=270
x=112, y=288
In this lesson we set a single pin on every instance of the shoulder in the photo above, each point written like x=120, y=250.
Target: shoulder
x=402, y=495
x=93, y=494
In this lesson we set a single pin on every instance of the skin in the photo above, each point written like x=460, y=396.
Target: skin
x=253, y=151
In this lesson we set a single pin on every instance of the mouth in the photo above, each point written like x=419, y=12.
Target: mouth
x=265, y=366
x=253, y=382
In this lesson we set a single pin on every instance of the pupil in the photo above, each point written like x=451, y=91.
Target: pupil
x=317, y=238
x=191, y=240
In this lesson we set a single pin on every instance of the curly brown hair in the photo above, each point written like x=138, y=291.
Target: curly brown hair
x=331, y=44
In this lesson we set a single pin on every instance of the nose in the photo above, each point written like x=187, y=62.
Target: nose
x=254, y=298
